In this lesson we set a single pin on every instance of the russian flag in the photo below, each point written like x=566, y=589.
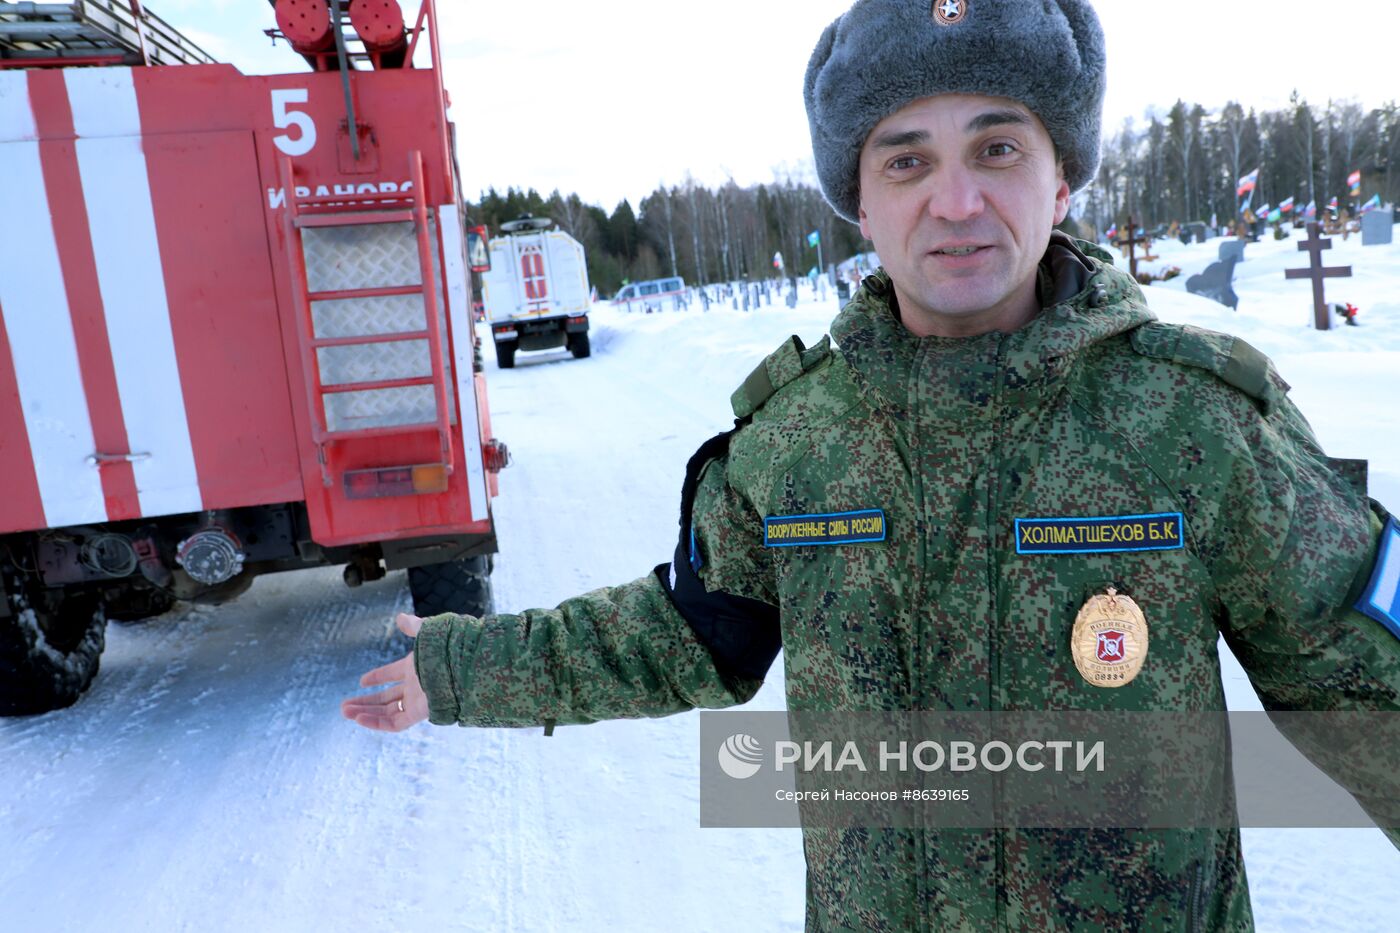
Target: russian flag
x=1247, y=183
x=1372, y=204
x=1286, y=206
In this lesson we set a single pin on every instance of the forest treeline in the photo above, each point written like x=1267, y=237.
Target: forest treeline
x=1183, y=165
x=1187, y=165
x=700, y=233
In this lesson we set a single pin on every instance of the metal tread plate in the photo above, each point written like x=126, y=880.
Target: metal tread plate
x=374, y=256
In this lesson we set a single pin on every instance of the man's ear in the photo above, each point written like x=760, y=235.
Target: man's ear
x=1061, y=195
x=865, y=223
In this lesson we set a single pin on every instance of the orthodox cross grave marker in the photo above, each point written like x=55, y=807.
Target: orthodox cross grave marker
x=1132, y=240
x=1314, y=245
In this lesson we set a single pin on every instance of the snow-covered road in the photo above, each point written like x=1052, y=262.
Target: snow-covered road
x=207, y=782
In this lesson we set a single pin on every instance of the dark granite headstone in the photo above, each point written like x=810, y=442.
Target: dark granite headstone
x=1378, y=226
x=1217, y=282
x=1198, y=232
x=1232, y=247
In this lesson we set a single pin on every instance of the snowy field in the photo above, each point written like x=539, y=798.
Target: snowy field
x=207, y=782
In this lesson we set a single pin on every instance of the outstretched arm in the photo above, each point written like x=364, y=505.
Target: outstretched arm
x=659, y=645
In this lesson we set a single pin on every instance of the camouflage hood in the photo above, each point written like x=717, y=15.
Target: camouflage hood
x=1086, y=301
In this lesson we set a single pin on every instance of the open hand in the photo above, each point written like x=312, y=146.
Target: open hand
x=403, y=703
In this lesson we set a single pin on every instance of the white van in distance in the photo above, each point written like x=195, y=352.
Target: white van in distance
x=650, y=294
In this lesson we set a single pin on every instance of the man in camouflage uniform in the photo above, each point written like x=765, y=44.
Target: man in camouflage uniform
x=886, y=511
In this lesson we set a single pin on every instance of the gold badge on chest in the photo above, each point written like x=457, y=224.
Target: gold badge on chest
x=1109, y=640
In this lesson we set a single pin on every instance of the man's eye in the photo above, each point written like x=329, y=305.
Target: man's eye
x=1000, y=150
x=903, y=163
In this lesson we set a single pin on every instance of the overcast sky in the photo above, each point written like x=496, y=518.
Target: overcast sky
x=609, y=98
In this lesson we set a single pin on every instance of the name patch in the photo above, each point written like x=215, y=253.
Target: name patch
x=1381, y=601
x=861, y=527
x=1164, y=531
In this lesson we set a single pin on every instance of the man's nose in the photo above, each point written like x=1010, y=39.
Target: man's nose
x=956, y=194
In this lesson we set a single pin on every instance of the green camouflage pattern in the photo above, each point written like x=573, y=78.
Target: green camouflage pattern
x=1092, y=409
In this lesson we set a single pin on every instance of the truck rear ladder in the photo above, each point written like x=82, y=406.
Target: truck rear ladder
x=358, y=211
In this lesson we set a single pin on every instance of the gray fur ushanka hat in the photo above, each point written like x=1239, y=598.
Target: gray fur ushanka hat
x=884, y=54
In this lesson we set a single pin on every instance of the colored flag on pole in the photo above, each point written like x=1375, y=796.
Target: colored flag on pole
x=1311, y=210
x=1264, y=210
x=1333, y=205
x=1247, y=183
x=1372, y=204
x=814, y=238
x=1275, y=216
x=1112, y=232
x=1286, y=206
x=1354, y=184
x=778, y=261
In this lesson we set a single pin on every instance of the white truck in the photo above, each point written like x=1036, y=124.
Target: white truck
x=537, y=294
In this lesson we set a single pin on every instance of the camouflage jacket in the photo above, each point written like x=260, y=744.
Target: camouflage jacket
x=1092, y=409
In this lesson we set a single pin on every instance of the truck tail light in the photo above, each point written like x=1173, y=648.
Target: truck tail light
x=496, y=456
x=396, y=481
x=578, y=320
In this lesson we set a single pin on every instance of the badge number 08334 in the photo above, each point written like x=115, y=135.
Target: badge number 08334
x=1109, y=640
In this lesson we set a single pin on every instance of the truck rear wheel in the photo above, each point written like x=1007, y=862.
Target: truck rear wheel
x=460, y=586
x=49, y=648
x=505, y=354
x=578, y=345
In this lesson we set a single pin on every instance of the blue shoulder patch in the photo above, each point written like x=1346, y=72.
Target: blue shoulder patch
x=863, y=526
x=1161, y=531
x=1381, y=601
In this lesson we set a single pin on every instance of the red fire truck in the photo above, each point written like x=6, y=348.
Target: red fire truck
x=237, y=331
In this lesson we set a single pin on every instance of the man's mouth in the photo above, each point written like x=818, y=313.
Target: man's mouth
x=960, y=251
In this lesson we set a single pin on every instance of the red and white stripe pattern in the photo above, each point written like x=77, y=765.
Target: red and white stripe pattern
x=96, y=386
